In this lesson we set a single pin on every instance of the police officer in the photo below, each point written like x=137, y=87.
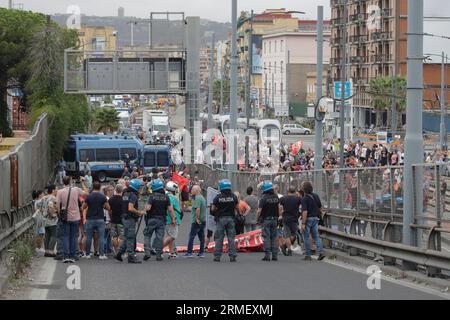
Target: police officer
x=130, y=215
x=223, y=209
x=158, y=205
x=268, y=213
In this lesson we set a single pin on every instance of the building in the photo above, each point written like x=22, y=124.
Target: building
x=97, y=38
x=375, y=47
x=311, y=86
x=221, y=61
x=269, y=21
x=287, y=58
x=205, y=62
x=121, y=12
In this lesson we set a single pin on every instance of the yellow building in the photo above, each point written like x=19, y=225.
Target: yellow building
x=269, y=21
x=97, y=38
x=311, y=86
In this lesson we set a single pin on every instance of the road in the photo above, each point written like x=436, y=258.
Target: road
x=290, y=278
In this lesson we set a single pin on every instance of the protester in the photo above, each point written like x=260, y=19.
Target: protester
x=116, y=204
x=69, y=214
x=290, y=212
x=250, y=217
x=243, y=210
x=38, y=216
x=198, y=222
x=171, y=228
x=51, y=221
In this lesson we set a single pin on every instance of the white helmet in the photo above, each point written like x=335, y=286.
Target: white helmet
x=171, y=186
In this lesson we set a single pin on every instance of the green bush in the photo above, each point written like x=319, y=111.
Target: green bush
x=19, y=258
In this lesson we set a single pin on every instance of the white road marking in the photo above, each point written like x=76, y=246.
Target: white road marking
x=44, y=277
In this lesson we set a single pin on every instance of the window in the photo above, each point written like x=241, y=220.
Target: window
x=149, y=160
x=275, y=67
x=270, y=46
x=275, y=48
x=281, y=66
x=265, y=47
x=282, y=46
x=163, y=159
x=270, y=67
x=265, y=69
x=70, y=153
x=107, y=155
x=87, y=154
x=130, y=151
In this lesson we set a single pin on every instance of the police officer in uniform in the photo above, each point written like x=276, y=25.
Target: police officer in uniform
x=158, y=205
x=223, y=209
x=130, y=215
x=268, y=212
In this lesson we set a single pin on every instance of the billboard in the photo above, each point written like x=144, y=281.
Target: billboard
x=257, y=54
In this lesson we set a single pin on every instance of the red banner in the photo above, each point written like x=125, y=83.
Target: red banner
x=246, y=242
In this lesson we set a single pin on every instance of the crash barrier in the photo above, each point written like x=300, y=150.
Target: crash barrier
x=14, y=223
x=364, y=205
x=26, y=168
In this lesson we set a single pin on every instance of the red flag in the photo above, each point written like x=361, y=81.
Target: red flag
x=181, y=181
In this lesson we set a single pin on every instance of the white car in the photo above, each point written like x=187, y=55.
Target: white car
x=295, y=129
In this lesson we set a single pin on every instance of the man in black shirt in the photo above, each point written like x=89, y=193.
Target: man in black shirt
x=268, y=213
x=223, y=209
x=116, y=203
x=311, y=214
x=290, y=205
x=95, y=219
x=157, y=206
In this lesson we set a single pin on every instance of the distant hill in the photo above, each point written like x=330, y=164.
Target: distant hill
x=163, y=32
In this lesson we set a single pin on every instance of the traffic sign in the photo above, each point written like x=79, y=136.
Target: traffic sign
x=338, y=89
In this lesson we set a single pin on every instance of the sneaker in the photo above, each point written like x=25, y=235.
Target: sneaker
x=266, y=258
x=58, y=258
x=216, y=259
x=321, y=257
x=188, y=255
x=83, y=254
x=103, y=257
x=289, y=253
x=96, y=254
x=66, y=260
x=50, y=255
x=147, y=257
x=172, y=256
x=201, y=255
x=274, y=258
x=153, y=252
x=159, y=258
x=87, y=256
x=76, y=258
x=134, y=260
x=232, y=259
x=283, y=249
x=307, y=258
x=118, y=257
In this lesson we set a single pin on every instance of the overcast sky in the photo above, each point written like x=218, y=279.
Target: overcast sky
x=217, y=10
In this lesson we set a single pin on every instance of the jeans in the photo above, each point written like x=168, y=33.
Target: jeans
x=50, y=237
x=99, y=225
x=197, y=230
x=154, y=225
x=70, y=238
x=60, y=239
x=225, y=225
x=250, y=227
x=312, y=226
x=270, y=234
x=128, y=245
x=108, y=241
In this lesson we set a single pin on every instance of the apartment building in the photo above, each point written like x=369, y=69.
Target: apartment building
x=375, y=46
x=205, y=61
x=97, y=38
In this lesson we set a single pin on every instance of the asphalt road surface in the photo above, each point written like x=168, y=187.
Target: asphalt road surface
x=290, y=278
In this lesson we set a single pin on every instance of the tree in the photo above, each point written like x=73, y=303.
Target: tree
x=107, y=120
x=380, y=97
x=399, y=94
x=226, y=91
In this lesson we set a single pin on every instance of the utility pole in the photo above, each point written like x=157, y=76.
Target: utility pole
x=211, y=82
x=221, y=91
x=10, y=4
x=342, y=111
x=394, y=104
x=318, y=139
x=248, y=96
x=412, y=183
x=266, y=98
x=233, y=87
x=443, y=131
x=273, y=90
x=132, y=23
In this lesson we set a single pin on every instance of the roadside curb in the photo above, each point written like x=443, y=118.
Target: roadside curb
x=393, y=272
x=4, y=280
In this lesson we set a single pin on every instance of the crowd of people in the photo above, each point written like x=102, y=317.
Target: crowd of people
x=92, y=219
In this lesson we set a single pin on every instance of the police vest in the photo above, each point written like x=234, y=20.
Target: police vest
x=270, y=206
x=225, y=204
x=127, y=198
x=159, y=202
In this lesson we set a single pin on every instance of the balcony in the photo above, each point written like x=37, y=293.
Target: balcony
x=359, y=17
x=381, y=36
x=386, y=13
x=336, y=3
x=358, y=59
x=361, y=81
x=381, y=58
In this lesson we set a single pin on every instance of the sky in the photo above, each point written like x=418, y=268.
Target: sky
x=217, y=10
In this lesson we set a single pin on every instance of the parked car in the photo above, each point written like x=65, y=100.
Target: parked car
x=295, y=129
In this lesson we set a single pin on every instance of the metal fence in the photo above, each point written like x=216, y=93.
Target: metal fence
x=366, y=203
x=26, y=168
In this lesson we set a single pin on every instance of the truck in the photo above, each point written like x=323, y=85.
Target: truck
x=155, y=124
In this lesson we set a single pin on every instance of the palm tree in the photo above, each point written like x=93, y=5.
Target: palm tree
x=107, y=120
x=380, y=96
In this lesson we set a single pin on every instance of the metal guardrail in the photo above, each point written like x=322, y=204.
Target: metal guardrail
x=370, y=220
x=14, y=223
